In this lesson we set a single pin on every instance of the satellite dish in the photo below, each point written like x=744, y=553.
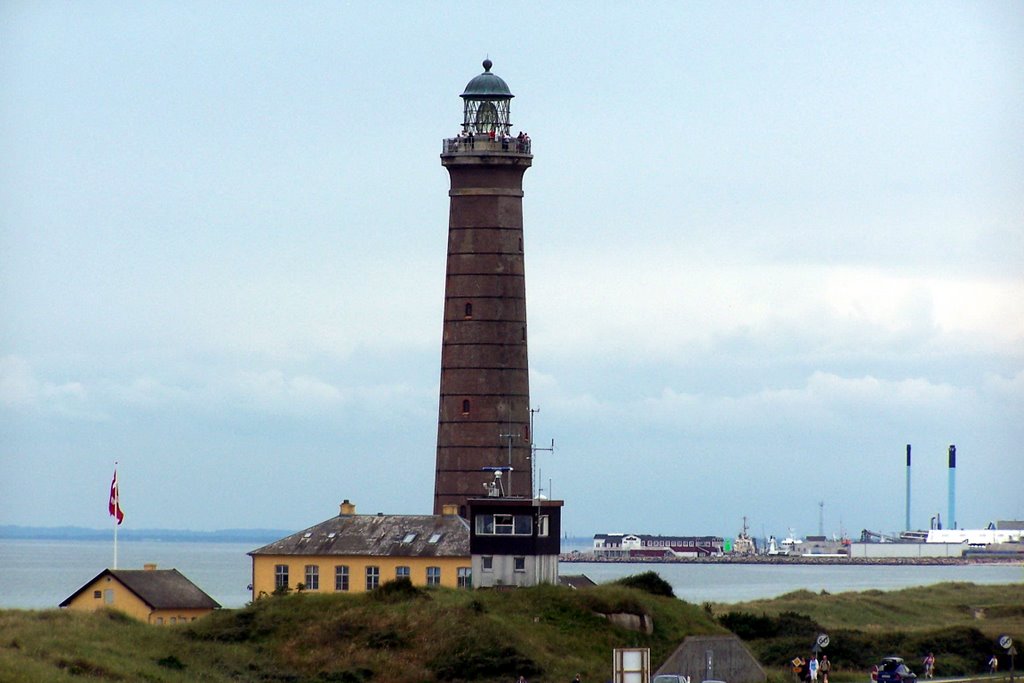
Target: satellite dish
x=823, y=640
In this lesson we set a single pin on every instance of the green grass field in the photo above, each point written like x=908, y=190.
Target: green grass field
x=547, y=633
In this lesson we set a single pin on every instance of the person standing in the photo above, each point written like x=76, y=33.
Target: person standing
x=823, y=668
x=993, y=664
x=929, y=666
x=812, y=669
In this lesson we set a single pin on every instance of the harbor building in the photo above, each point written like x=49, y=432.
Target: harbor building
x=648, y=546
x=484, y=405
x=162, y=597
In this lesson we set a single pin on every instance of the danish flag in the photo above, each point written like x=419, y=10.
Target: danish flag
x=114, y=507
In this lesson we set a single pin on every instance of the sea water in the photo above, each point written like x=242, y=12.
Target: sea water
x=38, y=574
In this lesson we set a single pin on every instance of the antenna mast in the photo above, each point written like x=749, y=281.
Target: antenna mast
x=533, y=456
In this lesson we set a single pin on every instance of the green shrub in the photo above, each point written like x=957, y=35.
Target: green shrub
x=170, y=662
x=398, y=590
x=649, y=582
x=472, y=664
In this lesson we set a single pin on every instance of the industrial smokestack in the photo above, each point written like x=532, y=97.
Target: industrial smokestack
x=951, y=515
x=907, y=525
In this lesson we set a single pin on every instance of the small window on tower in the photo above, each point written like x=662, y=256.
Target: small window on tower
x=520, y=244
x=465, y=407
x=524, y=332
x=469, y=310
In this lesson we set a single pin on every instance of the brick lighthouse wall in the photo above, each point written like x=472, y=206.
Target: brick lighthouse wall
x=485, y=388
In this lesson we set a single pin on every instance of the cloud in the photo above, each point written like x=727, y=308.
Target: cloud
x=19, y=388
x=664, y=305
x=822, y=402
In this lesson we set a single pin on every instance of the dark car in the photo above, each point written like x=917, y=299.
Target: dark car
x=892, y=670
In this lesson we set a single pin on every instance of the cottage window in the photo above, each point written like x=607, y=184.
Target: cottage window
x=174, y=620
x=341, y=577
x=434, y=538
x=402, y=573
x=519, y=564
x=108, y=596
x=312, y=577
x=372, y=578
x=464, y=575
x=433, y=576
x=280, y=576
x=97, y=594
x=409, y=538
x=159, y=621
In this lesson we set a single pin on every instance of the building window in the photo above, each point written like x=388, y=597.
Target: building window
x=435, y=537
x=469, y=310
x=174, y=620
x=97, y=594
x=542, y=525
x=402, y=573
x=465, y=577
x=487, y=563
x=504, y=525
x=108, y=596
x=519, y=564
x=465, y=406
x=372, y=578
x=409, y=538
x=433, y=576
x=341, y=577
x=280, y=576
x=312, y=577
x=159, y=621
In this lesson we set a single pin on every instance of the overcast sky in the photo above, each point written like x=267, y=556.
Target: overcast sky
x=767, y=246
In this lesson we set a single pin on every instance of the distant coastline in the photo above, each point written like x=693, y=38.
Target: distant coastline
x=76, y=533
x=1009, y=559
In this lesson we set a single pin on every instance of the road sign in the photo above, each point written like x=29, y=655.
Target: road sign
x=823, y=640
x=1005, y=642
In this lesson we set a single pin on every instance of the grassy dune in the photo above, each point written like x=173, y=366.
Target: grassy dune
x=993, y=610
x=402, y=634
x=959, y=622
x=546, y=633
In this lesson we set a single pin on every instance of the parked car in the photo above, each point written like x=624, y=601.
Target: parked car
x=892, y=670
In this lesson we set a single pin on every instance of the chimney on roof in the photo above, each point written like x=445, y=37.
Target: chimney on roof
x=449, y=510
x=347, y=508
x=149, y=566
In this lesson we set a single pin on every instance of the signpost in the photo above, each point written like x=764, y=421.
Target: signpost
x=1006, y=642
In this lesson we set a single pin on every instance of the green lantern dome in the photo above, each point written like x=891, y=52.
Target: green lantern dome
x=487, y=86
x=486, y=104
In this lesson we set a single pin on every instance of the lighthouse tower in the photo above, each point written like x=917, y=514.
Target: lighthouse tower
x=483, y=439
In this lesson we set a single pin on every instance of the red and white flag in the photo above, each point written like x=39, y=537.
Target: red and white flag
x=114, y=507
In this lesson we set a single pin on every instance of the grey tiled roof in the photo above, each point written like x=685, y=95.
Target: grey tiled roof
x=158, y=588
x=378, y=535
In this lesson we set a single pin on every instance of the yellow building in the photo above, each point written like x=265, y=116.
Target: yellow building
x=155, y=596
x=355, y=553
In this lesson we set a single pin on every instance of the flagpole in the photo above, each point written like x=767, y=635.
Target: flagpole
x=117, y=500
